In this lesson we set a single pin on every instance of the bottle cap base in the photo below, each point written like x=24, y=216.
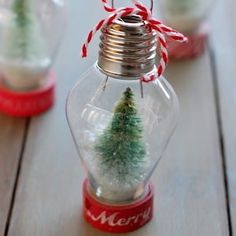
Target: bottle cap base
x=196, y=45
x=117, y=218
x=27, y=103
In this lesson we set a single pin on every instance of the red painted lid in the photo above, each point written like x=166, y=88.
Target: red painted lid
x=195, y=46
x=30, y=103
x=117, y=218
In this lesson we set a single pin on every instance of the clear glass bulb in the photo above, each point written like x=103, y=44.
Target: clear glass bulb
x=30, y=33
x=185, y=15
x=91, y=111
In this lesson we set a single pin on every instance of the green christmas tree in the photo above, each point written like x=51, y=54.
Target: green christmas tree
x=121, y=149
x=22, y=36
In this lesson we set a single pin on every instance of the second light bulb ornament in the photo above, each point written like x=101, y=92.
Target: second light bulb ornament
x=30, y=33
x=188, y=16
x=120, y=134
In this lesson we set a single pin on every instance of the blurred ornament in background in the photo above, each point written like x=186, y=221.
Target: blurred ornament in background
x=30, y=33
x=122, y=113
x=188, y=17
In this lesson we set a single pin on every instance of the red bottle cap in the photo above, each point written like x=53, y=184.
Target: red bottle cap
x=195, y=46
x=117, y=218
x=30, y=103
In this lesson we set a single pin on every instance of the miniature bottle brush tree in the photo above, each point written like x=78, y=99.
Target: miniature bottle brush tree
x=23, y=58
x=121, y=149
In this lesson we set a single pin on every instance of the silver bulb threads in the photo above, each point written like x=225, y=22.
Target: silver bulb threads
x=127, y=48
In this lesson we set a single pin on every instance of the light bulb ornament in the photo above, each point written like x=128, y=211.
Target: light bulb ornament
x=146, y=15
x=121, y=136
x=190, y=17
x=27, y=85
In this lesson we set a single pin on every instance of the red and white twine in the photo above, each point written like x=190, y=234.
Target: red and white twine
x=146, y=15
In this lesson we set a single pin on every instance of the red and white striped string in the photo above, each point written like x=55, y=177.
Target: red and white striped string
x=107, y=7
x=146, y=15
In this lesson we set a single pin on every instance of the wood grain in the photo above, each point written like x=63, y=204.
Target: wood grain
x=11, y=138
x=190, y=198
x=223, y=38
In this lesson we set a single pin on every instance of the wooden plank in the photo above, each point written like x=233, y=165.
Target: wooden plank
x=189, y=184
x=11, y=138
x=192, y=200
x=223, y=38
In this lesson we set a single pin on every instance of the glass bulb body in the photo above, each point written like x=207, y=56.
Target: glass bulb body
x=185, y=15
x=30, y=33
x=90, y=111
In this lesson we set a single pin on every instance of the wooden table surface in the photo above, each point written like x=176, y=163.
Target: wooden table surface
x=195, y=183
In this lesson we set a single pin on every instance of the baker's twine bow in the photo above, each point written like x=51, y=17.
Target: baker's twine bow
x=146, y=15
